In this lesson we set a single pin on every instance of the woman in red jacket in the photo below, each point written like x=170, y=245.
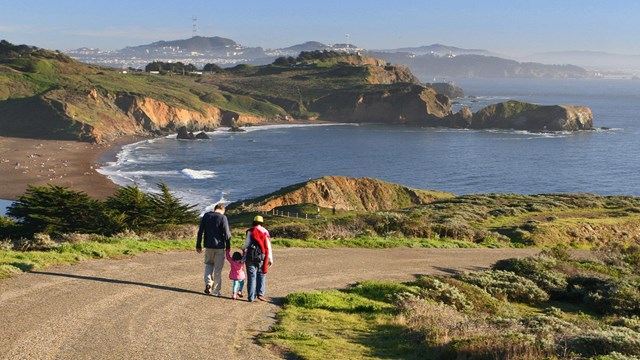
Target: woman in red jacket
x=258, y=259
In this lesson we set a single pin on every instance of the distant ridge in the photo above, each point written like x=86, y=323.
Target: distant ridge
x=307, y=46
x=427, y=62
x=442, y=49
x=196, y=43
x=592, y=59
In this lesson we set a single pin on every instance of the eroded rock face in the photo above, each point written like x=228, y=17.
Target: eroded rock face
x=523, y=116
x=398, y=104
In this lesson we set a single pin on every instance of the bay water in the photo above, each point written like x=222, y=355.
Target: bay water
x=238, y=165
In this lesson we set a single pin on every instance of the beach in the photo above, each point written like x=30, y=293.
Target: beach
x=66, y=163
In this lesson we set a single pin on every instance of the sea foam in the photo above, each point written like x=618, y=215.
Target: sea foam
x=198, y=174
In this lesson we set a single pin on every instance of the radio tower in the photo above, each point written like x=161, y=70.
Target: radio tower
x=194, y=21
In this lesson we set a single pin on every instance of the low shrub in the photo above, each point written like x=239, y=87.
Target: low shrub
x=632, y=323
x=342, y=229
x=603, y=342
x=616, y=297
x=292, y=231
x=175, y=231
x=537, y=269
x=438, y=324
x=440, y=292
x=6, y=245
x=39, y=241
x=506, y=285
x=74, y=238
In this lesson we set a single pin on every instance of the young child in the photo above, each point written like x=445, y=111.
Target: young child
x=237, y=273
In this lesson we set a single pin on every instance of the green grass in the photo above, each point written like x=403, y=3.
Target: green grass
x=12, y=262
x=357, y=323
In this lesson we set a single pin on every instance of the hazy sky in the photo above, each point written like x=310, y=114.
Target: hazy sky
x=513, y=27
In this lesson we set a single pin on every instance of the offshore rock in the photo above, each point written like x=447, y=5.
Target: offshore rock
x=524, y=116
x=184, y=134
x=202, y=136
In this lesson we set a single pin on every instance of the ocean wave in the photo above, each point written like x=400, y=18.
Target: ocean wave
x=118, y=176
x=211, y=206
x=198, y=174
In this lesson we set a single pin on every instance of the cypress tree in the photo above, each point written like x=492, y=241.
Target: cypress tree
x=130, y=207
x=168, y=209
x=55, y=210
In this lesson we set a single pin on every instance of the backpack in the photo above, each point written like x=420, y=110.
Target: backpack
x=254, y=252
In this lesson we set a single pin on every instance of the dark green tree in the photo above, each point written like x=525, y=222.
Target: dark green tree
x=55, y=210
x=281, y=61
x=212, y=68
x=168, y=209
x=154, y=66
x=130, y=208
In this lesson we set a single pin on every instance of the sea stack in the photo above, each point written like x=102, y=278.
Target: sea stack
x=524, y=116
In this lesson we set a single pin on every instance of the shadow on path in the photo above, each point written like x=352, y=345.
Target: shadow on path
x=117, y=281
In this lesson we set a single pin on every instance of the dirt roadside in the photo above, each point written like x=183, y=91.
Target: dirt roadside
x=151, y=306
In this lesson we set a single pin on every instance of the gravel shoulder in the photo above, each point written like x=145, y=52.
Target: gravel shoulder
x=151, y=306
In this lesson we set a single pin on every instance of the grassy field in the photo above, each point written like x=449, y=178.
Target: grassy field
x=492, y=314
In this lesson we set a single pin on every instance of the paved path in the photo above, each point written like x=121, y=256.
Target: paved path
x=151, y=306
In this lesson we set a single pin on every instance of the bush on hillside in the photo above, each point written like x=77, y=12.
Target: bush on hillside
x=538, y=269
x=632, y=323
x=440, y=292
x=292, y=231
x=616, y=297
x=506, y=285
x=606, y=341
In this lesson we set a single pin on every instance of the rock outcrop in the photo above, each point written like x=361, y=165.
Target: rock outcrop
x=185, y=134
x=451, y=90
x=393, y=104
x=523, y=116
x=344, y=193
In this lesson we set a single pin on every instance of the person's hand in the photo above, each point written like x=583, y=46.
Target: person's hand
x=198, y=250
x=270, y=262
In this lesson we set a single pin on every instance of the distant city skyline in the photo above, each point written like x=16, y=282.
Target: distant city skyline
x=514, y=28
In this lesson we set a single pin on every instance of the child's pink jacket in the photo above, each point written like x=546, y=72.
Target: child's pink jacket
x=237, y=268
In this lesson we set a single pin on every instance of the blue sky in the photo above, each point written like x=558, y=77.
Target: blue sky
x=512, y=27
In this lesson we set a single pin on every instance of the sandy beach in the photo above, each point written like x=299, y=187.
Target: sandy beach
x=67, y=163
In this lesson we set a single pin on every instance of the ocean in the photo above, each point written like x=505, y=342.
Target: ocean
x=233, y=166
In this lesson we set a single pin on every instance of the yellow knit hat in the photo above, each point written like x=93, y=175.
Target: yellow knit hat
x=258, y=218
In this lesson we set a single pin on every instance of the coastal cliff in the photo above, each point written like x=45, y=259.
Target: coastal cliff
x=48, y=95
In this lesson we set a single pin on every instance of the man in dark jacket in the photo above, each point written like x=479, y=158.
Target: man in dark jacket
x=217, y=239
